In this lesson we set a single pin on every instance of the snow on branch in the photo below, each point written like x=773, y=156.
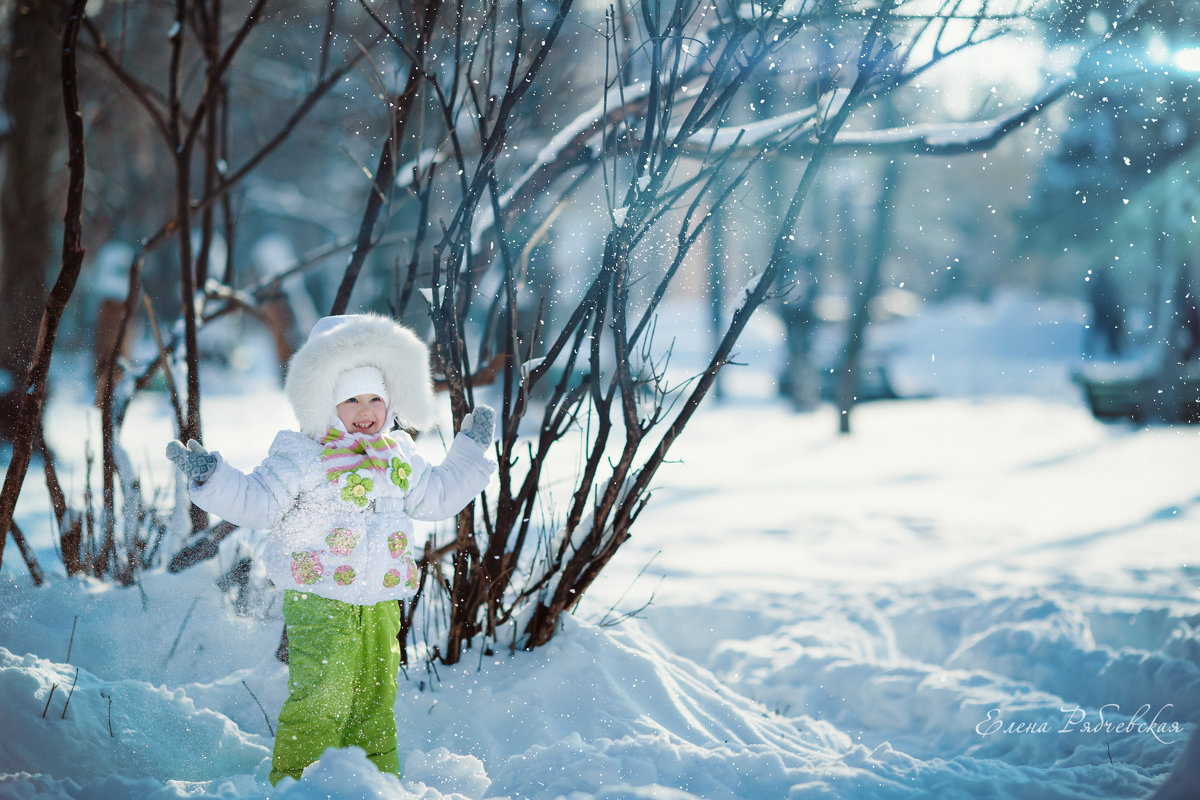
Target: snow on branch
x=952, y=138
x=753, y=135
x=944, y=139
x=566, y=147
x=407, y=174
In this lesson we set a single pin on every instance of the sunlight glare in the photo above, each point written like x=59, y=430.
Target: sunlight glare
x=1187, y=60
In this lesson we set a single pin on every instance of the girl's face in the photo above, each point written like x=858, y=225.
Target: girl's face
x=365, y=413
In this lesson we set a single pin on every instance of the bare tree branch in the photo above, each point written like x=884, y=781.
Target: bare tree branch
x=385, y=174
x=29, y=425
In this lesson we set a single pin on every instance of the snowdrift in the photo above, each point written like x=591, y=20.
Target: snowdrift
x=980, y=597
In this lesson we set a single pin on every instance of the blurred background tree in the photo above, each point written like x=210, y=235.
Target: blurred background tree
x=32, y=186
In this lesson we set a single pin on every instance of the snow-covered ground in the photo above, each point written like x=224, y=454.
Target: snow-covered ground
x=971, y=596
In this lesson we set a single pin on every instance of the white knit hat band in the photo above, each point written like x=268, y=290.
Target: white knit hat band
x=360, y=380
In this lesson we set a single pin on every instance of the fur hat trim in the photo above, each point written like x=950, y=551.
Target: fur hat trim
x=341, y=343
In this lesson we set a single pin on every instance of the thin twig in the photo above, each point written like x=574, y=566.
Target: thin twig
x=50, y=696
x=260, y=708
x=110, y=730
x=71, y=641
x=182, y=625
x=68, y=703
x=166, y=362
x=604, y=620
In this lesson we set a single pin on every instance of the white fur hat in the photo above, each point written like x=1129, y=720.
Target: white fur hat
x=340, y=344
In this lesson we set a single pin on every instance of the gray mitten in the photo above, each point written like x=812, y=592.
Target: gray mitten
x=194, y=461
x=480, y=425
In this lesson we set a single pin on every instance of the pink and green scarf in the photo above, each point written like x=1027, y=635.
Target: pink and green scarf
x=349, y=460
x=343, y=452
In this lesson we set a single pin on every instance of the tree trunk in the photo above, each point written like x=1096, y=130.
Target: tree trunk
x=799, y=381
x=28, y=201
x=881, y=223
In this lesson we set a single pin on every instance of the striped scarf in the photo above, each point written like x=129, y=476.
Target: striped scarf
x=342, y=452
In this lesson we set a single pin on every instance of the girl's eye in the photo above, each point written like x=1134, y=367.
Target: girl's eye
x=376, y=399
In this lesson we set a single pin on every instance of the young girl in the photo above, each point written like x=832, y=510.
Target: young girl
x=340, y=497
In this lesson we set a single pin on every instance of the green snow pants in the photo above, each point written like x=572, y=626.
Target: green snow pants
x=342, y=664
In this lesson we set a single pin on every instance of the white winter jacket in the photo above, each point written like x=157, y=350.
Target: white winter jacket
x=357, y=552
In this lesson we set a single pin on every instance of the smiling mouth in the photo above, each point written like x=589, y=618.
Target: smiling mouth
x=364, y=425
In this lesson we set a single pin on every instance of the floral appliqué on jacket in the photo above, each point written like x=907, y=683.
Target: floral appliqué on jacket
x=399, y=472
x=357, y=489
